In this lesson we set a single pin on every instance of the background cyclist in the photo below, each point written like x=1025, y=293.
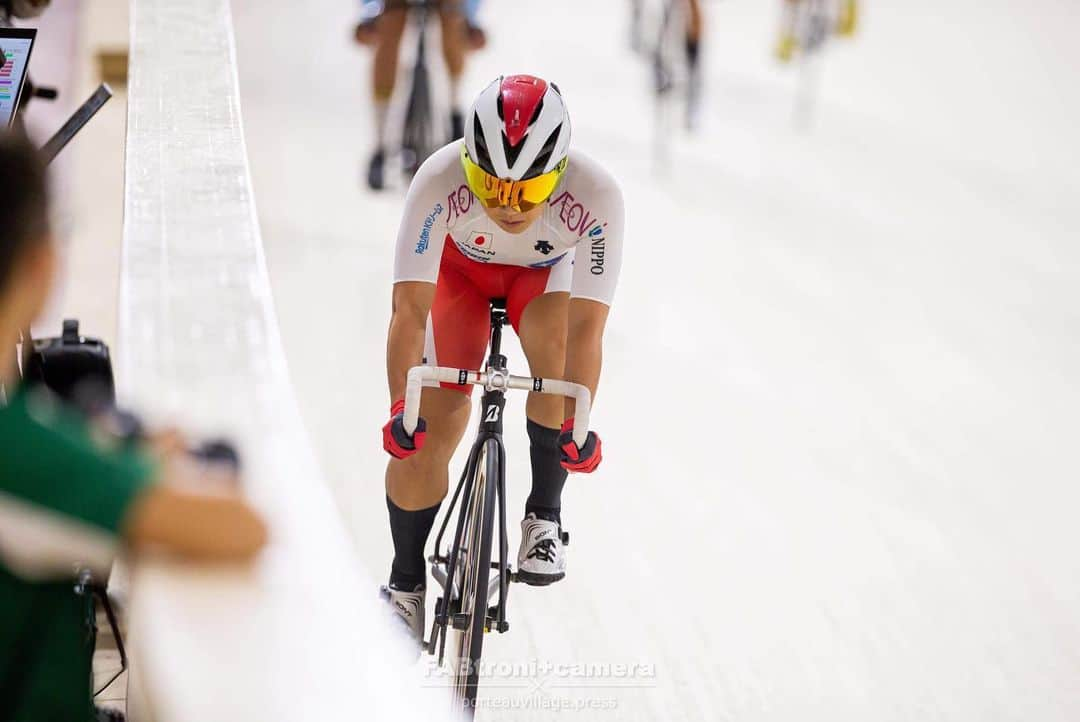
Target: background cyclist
x=382, y=25
x=845, y=13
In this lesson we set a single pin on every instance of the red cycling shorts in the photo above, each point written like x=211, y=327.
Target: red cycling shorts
x=460, y=320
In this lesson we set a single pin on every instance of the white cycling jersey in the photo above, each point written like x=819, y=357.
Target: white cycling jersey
x=579, y=236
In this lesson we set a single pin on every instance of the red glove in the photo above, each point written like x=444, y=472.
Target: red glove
x=394, y=439
x=584, y=459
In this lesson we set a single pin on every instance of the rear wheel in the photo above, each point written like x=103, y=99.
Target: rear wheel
x=471, y=621
x=417, y=143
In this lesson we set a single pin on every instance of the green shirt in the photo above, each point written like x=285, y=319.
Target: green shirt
x=63, y=497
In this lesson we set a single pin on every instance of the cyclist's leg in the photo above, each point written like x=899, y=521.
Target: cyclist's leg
x=391, y=25
x=847, y=17
x=542, y=330
x=537, y=306
x=637, y=43
x=421, y=480
x=693, y=60
x=454, y=36
x=693, y=20
x=416, y=486
x=786, y=45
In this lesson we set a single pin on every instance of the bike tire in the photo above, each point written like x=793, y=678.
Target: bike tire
x=480, y=530
x=420, y=136
x=417, y=136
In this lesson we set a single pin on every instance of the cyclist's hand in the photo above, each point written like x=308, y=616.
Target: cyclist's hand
x=394, y=439
x=582, y=459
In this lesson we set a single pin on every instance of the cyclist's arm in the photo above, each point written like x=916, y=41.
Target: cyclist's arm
x=597, y=262
x=584, y=345
x=405, y=341
x=416, y=264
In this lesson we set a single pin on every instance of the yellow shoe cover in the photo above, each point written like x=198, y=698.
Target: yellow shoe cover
x=848, y=18
x=785, y=49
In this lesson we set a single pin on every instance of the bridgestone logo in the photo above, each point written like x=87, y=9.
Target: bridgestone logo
x=462, y=376
x=538, y=384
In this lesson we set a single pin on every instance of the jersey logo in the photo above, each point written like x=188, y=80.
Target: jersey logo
x=482, y=241
x=547, y=262
x=478, y=247
x=544, y=247
x=425, y=232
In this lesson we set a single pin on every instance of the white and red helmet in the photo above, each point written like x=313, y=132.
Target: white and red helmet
x=518, y=128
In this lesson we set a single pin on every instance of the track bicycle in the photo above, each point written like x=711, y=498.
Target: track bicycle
x=421, y=134
x=464, y=611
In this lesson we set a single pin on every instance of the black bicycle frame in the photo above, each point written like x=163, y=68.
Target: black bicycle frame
x=491, y=427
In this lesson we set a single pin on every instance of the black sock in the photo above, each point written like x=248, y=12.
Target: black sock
x=548, y=476
x=410, y=530
x=693, y=52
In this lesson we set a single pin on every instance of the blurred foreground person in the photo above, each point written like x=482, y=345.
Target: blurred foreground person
x=71, y=493
x=842, y=14
x=25, y=9
x=381, y=25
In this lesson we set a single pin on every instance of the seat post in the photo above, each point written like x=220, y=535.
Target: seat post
x=498, y=320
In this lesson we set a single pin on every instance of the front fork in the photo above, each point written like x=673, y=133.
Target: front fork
x=444, y=568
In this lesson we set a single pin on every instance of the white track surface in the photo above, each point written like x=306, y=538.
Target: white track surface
x=856, y=499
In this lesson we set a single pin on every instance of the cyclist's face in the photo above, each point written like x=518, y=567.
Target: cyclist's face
x=513, y=221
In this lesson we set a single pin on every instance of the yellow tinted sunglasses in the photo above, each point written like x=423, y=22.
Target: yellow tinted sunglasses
x=522, y=195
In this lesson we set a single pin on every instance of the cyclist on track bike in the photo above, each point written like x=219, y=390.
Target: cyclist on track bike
x=846, y=16
x=508, y=212
x=382, y=25
x=692, y=47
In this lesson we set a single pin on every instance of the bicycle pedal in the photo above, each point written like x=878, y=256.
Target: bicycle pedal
x=565, y=538
x=460, y=622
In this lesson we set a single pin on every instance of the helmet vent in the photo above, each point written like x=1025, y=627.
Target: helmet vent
x=538, y=165
x=512, y=152
x=536, y=113
x=483, y=155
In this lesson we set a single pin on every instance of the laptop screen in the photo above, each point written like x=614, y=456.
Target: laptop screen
x=15, y=46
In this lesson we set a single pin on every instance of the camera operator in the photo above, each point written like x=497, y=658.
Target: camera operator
x=70, y=492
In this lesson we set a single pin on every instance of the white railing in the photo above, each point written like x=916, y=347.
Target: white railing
x=298, y=636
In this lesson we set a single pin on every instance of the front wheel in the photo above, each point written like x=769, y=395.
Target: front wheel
x=470, y=623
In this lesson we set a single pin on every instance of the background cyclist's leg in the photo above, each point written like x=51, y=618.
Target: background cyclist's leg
x=390, y=26
x=637, y=42
x=786, y=45
x=694, y=24
x=847, y=17
x=542, y=330
x=454, y=36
